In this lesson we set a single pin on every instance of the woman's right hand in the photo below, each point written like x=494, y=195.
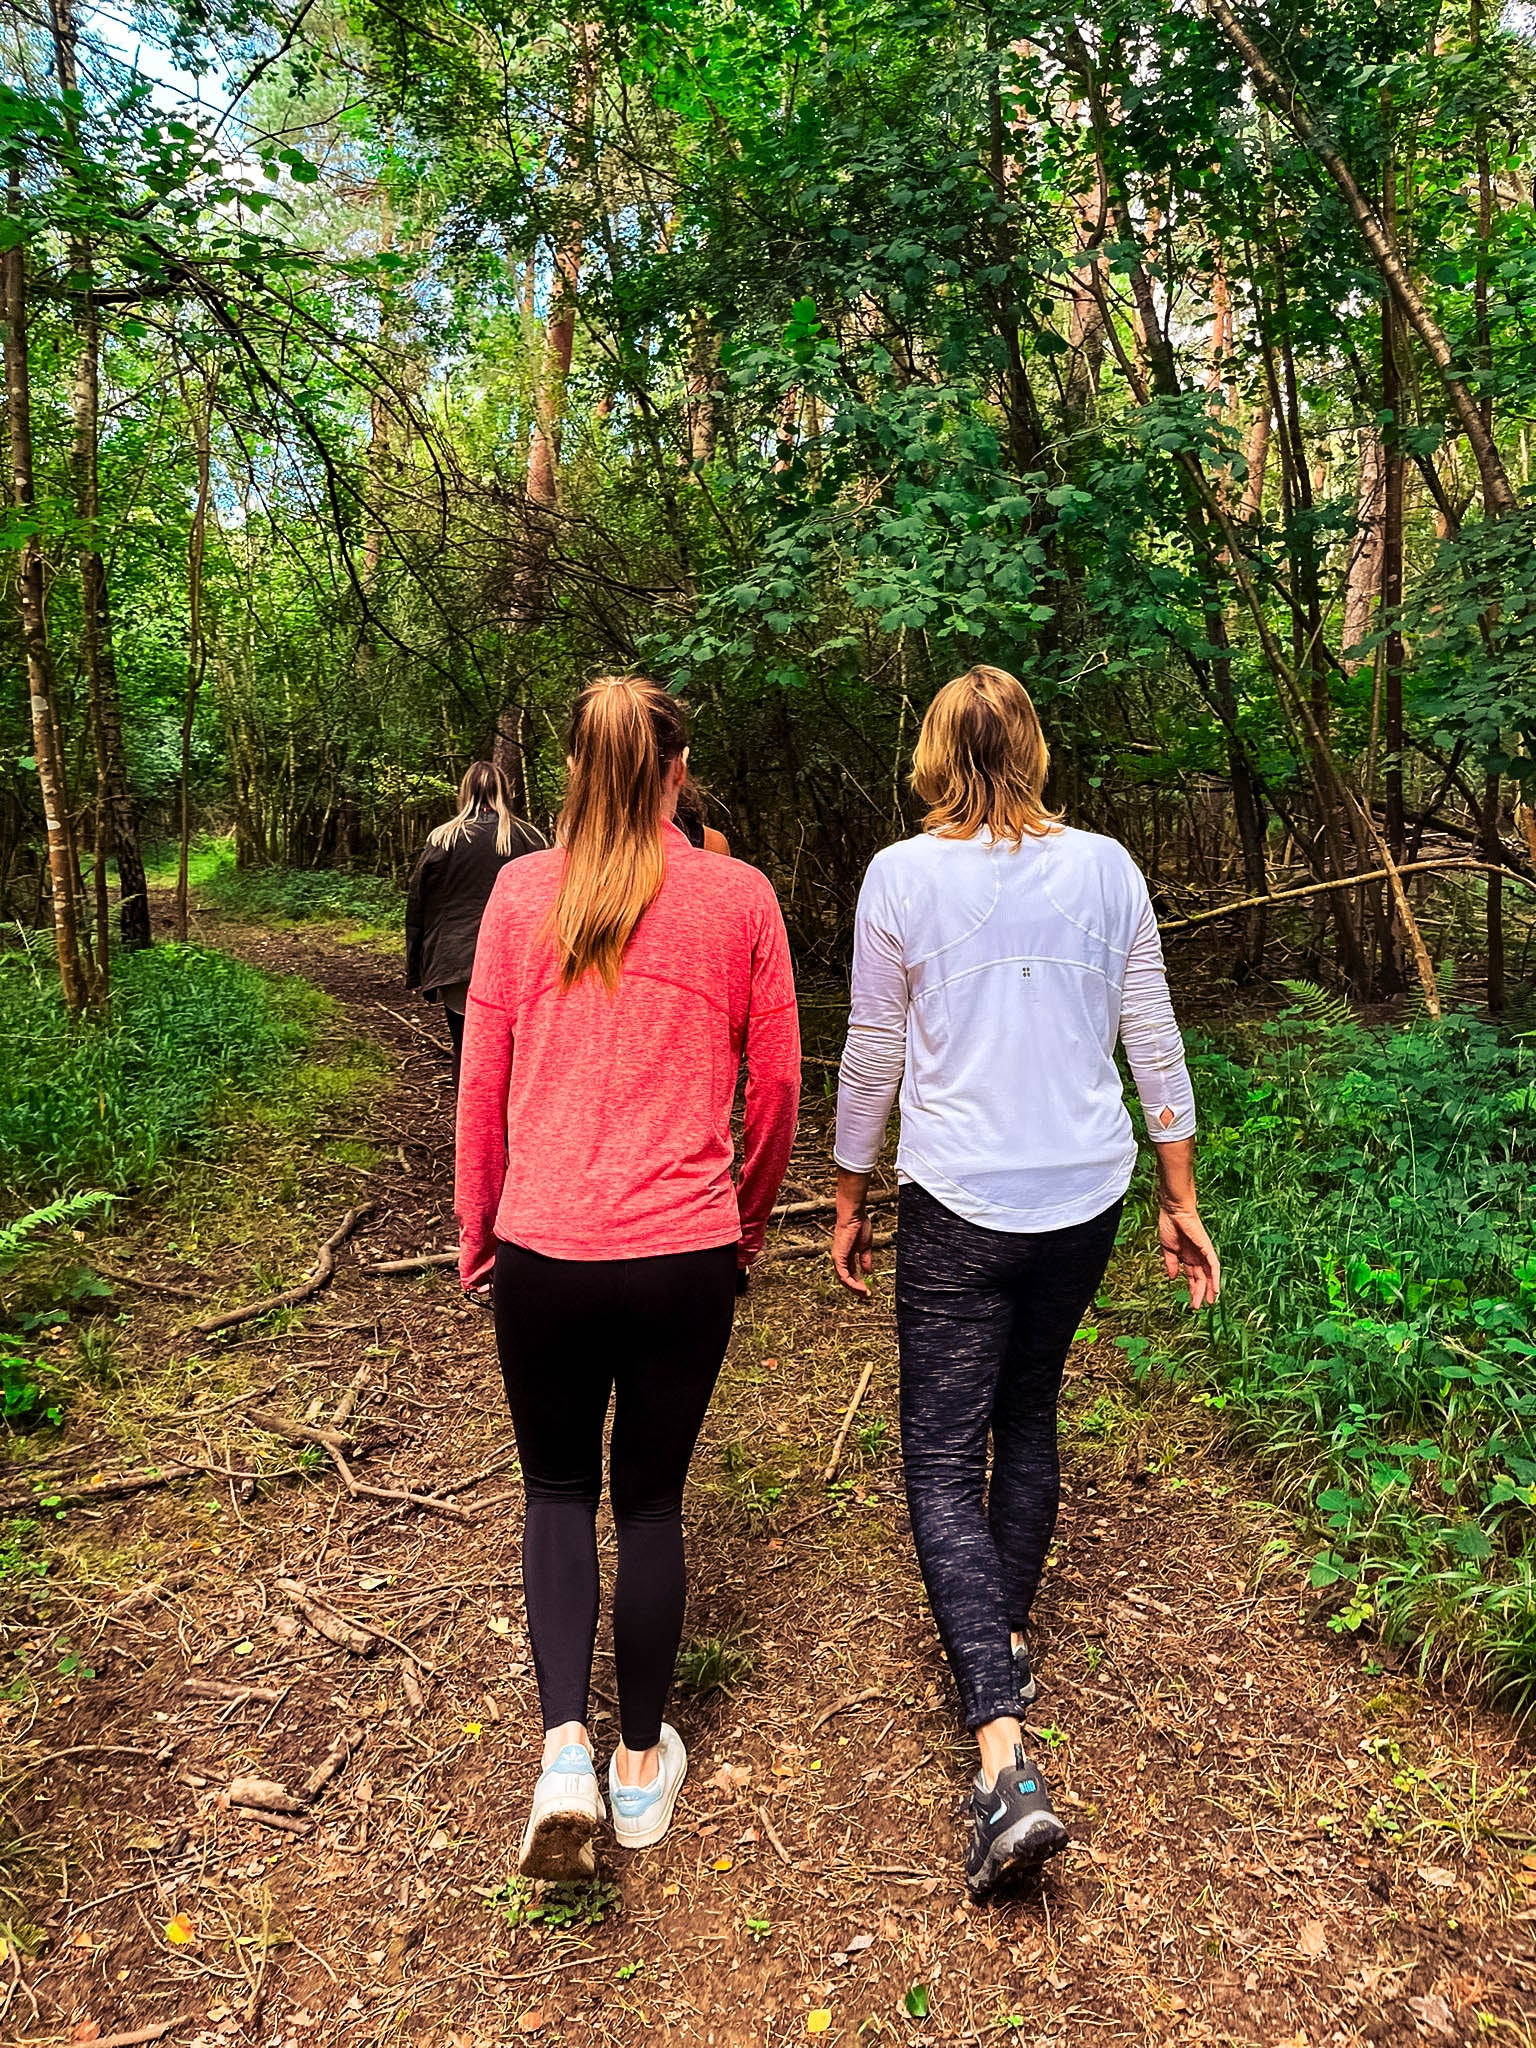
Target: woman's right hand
x=1187, y=1249
x=852, y=1232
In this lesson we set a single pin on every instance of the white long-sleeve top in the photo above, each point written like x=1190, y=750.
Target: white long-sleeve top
x=990, y=984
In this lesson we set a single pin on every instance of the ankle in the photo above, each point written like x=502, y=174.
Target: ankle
x=562, y=1737
x=636, y=1768
x=1000, y=1743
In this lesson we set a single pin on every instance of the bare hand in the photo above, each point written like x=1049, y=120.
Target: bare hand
x=1187, y=1249
x=852, y=1257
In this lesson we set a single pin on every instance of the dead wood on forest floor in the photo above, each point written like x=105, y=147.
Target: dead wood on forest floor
x=1279, y=1835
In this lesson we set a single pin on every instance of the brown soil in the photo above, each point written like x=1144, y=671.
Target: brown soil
x=1276, y=1841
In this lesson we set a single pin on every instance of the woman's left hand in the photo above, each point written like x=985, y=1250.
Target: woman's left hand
x=1187, y=1249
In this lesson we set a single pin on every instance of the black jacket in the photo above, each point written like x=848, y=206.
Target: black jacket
x=449, y=891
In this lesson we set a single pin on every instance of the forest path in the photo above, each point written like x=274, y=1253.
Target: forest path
x=1216, y=1756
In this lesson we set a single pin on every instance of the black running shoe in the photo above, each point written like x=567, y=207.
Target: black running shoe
x=1025, y=1676
x=1014, y=1829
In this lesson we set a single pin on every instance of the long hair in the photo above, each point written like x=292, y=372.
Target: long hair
x=484, y=788
x=625, y=733
x=981, y=760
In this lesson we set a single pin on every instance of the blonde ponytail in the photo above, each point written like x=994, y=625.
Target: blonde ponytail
x=484, y=788
x=625, y=733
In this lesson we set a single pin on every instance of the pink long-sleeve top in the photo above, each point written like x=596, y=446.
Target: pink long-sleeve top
x=598, y=1126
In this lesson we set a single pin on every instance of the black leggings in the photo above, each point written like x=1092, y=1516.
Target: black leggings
x=984, y=1319
x=571, y=1332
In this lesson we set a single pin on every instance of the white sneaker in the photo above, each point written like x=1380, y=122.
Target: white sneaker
x=643, y=1813
x=567, y=1808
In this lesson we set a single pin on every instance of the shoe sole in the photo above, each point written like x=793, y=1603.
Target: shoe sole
x=653, y=1830
x=558, y=1847
x=1022, y=1853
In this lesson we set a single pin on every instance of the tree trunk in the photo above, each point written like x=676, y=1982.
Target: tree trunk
x=1379, y=238
x=197, y=652
x=30, y=597
x=117, y=827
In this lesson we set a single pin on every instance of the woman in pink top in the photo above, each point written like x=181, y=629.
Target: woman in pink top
x=618, y=982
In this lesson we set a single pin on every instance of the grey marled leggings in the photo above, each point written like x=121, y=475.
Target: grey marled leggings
x=984, y=1319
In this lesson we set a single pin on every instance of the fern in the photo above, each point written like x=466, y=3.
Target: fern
x=14, y=1237
x=1320, y=1005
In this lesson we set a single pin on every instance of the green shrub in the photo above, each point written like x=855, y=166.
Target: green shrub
x=1371, y=1193
x=305, y=895
x=101, y=1102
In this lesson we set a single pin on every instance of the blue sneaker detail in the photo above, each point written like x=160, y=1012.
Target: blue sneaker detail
x=574, y=1760
x=630, y=1802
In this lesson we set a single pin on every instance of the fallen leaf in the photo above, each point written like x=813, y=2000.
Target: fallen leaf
x=241, y=1649
x=1313, y=1939
x=916, y=2002
x=818, y=2022
x=499, y=1624
x=1435, y=2013
x=669, y=1891
x=859, y=1943
x=1528, y=1860
x=82, y=1938
x=722, y=1863
x=88, y=2030
x=1442, y=1879
x=531, y=2022
x=179, y=1931
x=473, y=1730
x=731, y=1778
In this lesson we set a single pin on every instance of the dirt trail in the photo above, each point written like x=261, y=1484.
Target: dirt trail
x=1273, y=1843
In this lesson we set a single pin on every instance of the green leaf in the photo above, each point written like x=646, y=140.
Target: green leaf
x=916, y=2002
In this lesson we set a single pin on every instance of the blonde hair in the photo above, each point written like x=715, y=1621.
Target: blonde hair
x=981, y=760
x=625, y=733
x=483, y=788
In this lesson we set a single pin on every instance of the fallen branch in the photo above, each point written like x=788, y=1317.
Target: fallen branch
x=503, y=1464
x=342, y=1413
x=361, y=1642
x=828, y=1207
x=116, y=1488
x=419, y=1262
x=223, y=1689
x=822, y=1247
x=857, y=1699
x=143, y=1281
x=410, y=1685
x=775, y=1839
x=324, y=1267
x=433, y=1503
x=265, y=1794
x=299, y=1432
x=842, y=1435
x=1407, y=867
x=335, y=1761
x=348, y=1635
x=157, y=2032
x=147, y=1594
x=285, y=1823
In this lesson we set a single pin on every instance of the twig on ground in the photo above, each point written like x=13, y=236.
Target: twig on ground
x=115, y=1488
x=436, y=1043
x=151, y=1591
x=825, y=1207
x=419, y=1262
x=142, y=1280
x=822, y=1247
x=264, y=1794
x=59, y=1756
x=433, y=1503
x=361, y=1642
x=299, y=1432
x=842, y=1435
x=335, y=1761
x=139, y=2035
x=343, y=1411
x=774, y=1838
x=324, y=1267
x=223, y=1689
x=857, y=1699
x=503, y=1464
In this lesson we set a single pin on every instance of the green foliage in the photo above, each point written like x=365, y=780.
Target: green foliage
x=556, y=1908
x=713, y=1663
x=106, y=1101
x=28, y=1383
x=1377, y=1336
x=305, y=896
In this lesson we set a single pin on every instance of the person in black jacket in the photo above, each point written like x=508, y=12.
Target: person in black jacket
x=451, y=886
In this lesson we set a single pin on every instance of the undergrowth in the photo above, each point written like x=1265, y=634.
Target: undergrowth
x=101, y=1103
x=1375, y=1342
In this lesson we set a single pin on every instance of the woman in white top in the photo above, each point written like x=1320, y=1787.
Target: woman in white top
x=998, y=957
